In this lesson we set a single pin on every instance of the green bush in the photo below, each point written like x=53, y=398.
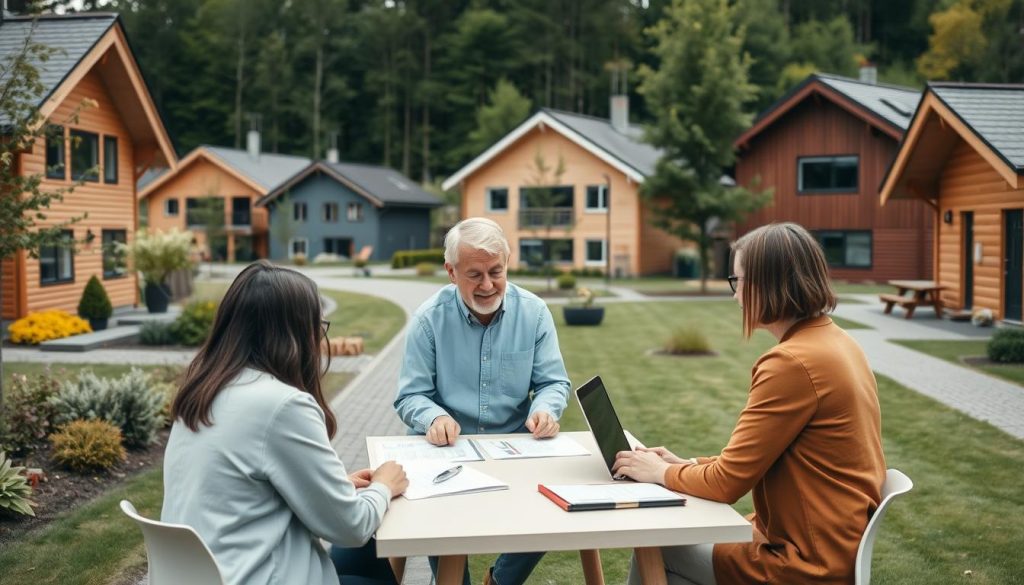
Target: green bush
x=132, y=402
x=87, y=445
x=687, y=340
x=1007, y=346
x=588, y=272
x=406, y=258
x=28, y=413
x=426, y=269
x=193, y=326
x=15, y=490
x=94, y=304
x=157, y=333
x=566, y=281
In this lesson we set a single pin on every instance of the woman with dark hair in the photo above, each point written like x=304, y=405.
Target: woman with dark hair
x=249, y=463
x=808, y=443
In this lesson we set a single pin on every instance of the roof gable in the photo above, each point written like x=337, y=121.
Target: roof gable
x=381, y=186
x=261, y=174
x=995, y=113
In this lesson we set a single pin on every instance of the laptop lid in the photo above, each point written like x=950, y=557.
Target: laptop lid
x=603, y=421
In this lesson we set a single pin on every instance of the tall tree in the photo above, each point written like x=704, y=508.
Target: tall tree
x=505, y=109
x=698, y=96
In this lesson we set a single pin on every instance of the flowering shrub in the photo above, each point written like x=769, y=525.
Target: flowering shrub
x=28, y=415
x=193, y=325
x=157, y=254
x=35, y=328
x=584, y=296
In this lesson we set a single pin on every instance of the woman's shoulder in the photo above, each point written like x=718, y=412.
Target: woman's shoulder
x=261, y=393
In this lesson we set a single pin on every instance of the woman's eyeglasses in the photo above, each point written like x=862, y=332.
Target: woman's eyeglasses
x=733, y=280
x=325, y=325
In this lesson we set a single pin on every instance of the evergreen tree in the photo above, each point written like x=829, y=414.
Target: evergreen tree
x=506, y=108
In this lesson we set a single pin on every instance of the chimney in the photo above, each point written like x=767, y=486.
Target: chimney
x=252, y=144
x=620, y=113
x=332, y=155
x=869, y=73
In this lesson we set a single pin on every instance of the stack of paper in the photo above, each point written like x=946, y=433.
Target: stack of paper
x=528, y=447
x=421, y=476
x=611, y=496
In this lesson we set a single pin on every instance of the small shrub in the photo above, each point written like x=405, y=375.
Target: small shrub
x=687, y=340
x=360, y=262
x=299, y=259
x=167, y=380
x=36, y=328
x=566, y=281
x=87, y=445
x=157, y=333
x=426, y=269
x=132, y=403
x=406, y=258
x=193, y=326
x=28, y=413
x=15, y=491
x=1007, y=346
x=94, y=304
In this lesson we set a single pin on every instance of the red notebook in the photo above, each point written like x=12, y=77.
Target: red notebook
x=582, y=497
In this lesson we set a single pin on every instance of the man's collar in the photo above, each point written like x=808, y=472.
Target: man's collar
x=471, y=318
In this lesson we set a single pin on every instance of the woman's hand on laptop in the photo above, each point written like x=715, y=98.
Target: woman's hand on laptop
x=666, y=455
x=542, y=425
x=644, y=466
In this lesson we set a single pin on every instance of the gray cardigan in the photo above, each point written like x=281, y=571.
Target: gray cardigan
x=262, y=485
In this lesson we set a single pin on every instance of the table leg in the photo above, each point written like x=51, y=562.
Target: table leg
x=592, y=572
x=937, y=303
x=450, y=569
x=397, y=567
x=651, y=565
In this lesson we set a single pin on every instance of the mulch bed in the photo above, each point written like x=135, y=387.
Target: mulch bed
x=63, y=490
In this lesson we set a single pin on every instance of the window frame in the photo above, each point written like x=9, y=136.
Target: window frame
x=84, y=136
x=70, y=238
x=291, y=247
x=819, y=234
x=488, y=198
x=326, y=214
x=177, y=207
x=586, y=252
x=358, y=207
x=300, y=205
x=103, y=252
x=801, y=190
x=109, y=179
x=602, y=194
x=62, y=151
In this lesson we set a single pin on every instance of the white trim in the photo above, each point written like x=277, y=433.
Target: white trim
x=291, y=247
x=487, y=199
x=604, y=252
x=602, y=196
x=167, y=202
x=549, y=121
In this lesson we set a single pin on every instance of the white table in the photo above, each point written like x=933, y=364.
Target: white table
x=521, y=519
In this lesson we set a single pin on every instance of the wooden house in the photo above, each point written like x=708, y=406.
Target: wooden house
x=228, y=180
x=963, y=156
x=823, y=149
x=121, y=134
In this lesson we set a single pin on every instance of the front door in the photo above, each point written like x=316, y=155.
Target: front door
x=1013, y=264
x=967, y=218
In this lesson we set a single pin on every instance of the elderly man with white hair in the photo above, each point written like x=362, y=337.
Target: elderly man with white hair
x=474, y=352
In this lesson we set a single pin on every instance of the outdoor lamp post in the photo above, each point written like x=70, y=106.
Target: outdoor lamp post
x=608, y=231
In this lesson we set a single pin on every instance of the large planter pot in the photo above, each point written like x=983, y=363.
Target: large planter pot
x=158, y=296
x=98, y=324
x=583, y=315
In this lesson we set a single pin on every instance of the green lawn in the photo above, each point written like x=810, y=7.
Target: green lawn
x=955, y=351
x=848, y=324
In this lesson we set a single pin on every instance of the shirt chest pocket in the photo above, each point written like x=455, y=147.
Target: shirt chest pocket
x=516, y=371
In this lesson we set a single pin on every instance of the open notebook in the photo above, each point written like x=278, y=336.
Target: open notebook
x=421, y=476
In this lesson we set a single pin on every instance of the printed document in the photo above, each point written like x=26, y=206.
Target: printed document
x=421, y=476
x=528, y=447
x=418, y=449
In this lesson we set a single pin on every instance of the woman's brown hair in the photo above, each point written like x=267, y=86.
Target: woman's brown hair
x=269, y=320
x=785, y=276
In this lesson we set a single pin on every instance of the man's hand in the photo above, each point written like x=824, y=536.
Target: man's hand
x=542, y=425
x=666, y=455
x=643, y=466
x=443, y=431
x=361, y=478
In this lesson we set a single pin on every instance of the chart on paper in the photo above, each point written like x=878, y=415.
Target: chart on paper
x=418, y=449
x=529, y=448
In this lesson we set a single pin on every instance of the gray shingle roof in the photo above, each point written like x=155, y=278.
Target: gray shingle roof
x=994, y=112
x=388, y=185
x=72, y=36
x=627, y=147
x=269, y=170
x=892, y=103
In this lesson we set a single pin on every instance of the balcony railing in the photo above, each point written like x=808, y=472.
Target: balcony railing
x=540, y=217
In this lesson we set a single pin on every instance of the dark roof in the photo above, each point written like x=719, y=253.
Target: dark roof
x=994, y=112
x=626, y=146
x=386, y=184
x=893, y=103
x=72, y=36
x=267, y=170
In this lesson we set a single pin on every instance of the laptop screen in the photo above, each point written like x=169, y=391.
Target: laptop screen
x=604, y=423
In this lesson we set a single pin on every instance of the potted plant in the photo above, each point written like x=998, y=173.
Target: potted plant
x=95, y=304
x=582, y=311
x=156, y=255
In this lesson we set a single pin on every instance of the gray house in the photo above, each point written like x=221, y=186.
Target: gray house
x=340, y=208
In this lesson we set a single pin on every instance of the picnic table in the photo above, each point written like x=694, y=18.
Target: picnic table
x=925, y=294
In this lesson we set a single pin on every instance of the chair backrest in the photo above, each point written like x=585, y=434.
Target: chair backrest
x=365, y=252
x=176, y=552
x=896, y=484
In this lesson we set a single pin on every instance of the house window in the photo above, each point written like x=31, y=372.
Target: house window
x=193, y=212
x=827, y=174
x=330, y=212
x=355, y=212
x=115, y=257
x=595, y=253
x=848, y=249
x=85, y=155
x=297, y=246
x=299, y=211
x=534, y=252
x=497, y=199
x=338, y=246
x=171, y=208
x=57, y=262
x=55, y=153
x=110, y=160
x=597, y=198
x=241, y=211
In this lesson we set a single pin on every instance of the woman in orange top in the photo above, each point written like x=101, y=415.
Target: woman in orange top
x=808, y=442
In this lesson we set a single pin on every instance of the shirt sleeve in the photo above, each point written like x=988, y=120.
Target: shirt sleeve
x=417, y=383
x=305, y=470
x=781, y=403
x=549, y=380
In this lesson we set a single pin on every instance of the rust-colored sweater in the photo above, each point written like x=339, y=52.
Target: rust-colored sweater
x=808, y=443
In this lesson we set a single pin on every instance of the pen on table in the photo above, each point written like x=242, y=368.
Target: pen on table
x=447, y=474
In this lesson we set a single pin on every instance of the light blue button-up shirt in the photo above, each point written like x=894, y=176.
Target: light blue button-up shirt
x=481, y=375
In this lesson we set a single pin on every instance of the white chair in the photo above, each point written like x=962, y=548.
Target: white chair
x=176, y=552
x=896, y=484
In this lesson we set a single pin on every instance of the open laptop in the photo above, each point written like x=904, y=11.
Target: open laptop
x=604, y=422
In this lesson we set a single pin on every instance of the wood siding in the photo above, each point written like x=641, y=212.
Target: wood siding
x=109, y=206
x=901, y=230
x=969, y=183
x=631, y=237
